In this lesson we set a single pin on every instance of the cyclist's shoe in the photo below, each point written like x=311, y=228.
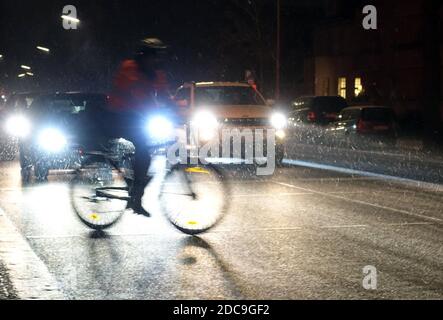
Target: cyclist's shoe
x=137, y=208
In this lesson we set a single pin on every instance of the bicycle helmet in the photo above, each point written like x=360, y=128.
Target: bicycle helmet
x=151, y=47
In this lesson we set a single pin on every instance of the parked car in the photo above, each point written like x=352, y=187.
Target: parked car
x=60, y=127
x=366, y=124
x=310, y=115
x=317, y=109
x=215, y=106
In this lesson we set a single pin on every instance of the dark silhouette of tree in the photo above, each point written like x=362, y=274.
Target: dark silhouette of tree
x=432, y=71
x=248, y=36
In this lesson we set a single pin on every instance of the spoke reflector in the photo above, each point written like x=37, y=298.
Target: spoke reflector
x=197, y=170
x=95, y=217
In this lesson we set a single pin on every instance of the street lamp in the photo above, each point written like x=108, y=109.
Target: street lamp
x=22, y=75
x=25, y=67
x=30, y=74
x=46, y=50
x=68, y=18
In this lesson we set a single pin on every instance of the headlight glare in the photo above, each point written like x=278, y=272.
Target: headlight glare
x=206, y=125
x=160, y=128
x=52, y=140
x=279, y=121
x=280, y=134
x=18, y=126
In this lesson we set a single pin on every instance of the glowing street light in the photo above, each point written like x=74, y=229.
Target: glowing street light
x=68, y=18
x=30, y=74
x=25, y=67
x=22, y=75
x=43, y=49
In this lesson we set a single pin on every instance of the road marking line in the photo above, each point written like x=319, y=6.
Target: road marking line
x=416, y=215
x=28, y=274
x=424, y=185
x=345, y=226
x=409, y=224
x=258, y=195
x=337, y=179
x=287, y=194
x=357, y=226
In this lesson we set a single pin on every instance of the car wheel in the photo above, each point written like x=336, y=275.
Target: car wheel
x=26, y=174
x=41, y=172
x=279, y=155
x=279, y=161
x=25, y=157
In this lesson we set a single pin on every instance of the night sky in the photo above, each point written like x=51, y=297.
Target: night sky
x=210, y=40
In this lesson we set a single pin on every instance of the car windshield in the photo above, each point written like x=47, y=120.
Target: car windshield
x=19, y=102
x=323, y=104
x=225, y=95
x=377, y=115
x=66, y=105
x=350, y=114
x=329, y=104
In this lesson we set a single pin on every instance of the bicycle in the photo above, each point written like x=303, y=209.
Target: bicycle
x=193, y=197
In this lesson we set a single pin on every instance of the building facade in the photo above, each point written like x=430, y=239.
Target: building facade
x=386, y=66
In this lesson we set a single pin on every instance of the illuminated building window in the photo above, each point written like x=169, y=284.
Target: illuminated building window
x=342, y=87
x=358, y=87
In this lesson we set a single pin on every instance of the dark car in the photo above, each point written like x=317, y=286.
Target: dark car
x=309, y=116
x=366, y=124
x=62, y=126
x=317, y=109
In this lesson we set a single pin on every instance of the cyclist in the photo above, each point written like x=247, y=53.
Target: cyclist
x=140, y=86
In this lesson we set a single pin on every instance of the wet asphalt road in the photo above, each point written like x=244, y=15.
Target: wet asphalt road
x=300, y=234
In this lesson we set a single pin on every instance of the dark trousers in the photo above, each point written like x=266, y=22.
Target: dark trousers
x=132, y=128
x=141, y=164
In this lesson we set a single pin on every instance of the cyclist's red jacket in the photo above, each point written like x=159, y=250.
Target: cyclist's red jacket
x=133, y=91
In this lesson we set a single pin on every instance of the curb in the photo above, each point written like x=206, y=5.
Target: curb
x=27, y=273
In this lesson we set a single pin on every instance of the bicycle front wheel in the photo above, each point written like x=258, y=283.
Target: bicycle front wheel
x=99, y=193
x=194, y=199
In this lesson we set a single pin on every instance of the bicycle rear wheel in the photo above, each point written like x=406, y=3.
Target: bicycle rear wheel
x=194, y=199
x=99, y=193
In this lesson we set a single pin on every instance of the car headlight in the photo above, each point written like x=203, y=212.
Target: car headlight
x=52, y=140
x=18, y=126
x=206, y=124
x=160, y=128
x=279, y=121
x=280, y=134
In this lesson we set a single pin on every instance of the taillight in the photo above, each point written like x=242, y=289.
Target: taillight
x=312, y=116
x=362, y=126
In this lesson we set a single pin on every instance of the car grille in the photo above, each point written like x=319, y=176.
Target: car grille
x=247, y=122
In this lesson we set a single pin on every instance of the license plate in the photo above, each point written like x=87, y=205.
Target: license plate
x=331, y=116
